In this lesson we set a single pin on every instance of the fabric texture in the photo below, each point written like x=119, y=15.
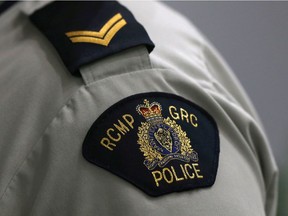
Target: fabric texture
x=46, y=114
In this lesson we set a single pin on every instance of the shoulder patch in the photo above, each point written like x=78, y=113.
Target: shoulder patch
x=161, y=143
x=85, y=31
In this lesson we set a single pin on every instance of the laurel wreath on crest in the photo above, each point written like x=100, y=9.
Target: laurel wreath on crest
x=149, y=152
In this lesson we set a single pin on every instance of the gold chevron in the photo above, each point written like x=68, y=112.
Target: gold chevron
x=102, y=41
x=103, y=37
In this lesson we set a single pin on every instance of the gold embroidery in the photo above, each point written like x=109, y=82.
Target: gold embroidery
x=151, y=153
x=103, y=37
x=170, y=175
x=162, y=139
x=185, y=116
x=102, y=31
x=114, y=133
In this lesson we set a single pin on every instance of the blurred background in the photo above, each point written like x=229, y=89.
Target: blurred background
x=253, y=38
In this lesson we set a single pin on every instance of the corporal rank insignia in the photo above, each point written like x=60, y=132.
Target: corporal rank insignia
x=86, y=31
x=160, y=142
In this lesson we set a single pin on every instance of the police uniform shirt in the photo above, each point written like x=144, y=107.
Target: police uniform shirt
x=46, y=114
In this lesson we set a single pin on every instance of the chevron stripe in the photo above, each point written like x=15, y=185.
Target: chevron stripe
x=102, y=41
x=103, y=37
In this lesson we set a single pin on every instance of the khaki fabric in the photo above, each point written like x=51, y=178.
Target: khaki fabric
x=46, y=113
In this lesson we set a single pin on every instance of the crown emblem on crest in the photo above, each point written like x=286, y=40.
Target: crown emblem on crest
x=151, y=112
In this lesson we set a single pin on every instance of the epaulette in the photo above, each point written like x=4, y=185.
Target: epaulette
x=83, y=32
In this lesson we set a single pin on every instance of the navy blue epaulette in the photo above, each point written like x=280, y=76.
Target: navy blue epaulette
x=83, y=32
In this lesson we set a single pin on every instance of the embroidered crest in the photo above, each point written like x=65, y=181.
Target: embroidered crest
x=161, y=139
x=160, y=142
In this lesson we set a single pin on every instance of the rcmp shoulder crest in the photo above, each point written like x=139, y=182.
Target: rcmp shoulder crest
x=161, y=139
x=161, y=143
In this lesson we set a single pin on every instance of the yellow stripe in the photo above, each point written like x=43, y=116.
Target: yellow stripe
x=102, y=31
x=106, y=40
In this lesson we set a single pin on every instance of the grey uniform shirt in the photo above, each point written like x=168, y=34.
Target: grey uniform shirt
x=46, y=113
